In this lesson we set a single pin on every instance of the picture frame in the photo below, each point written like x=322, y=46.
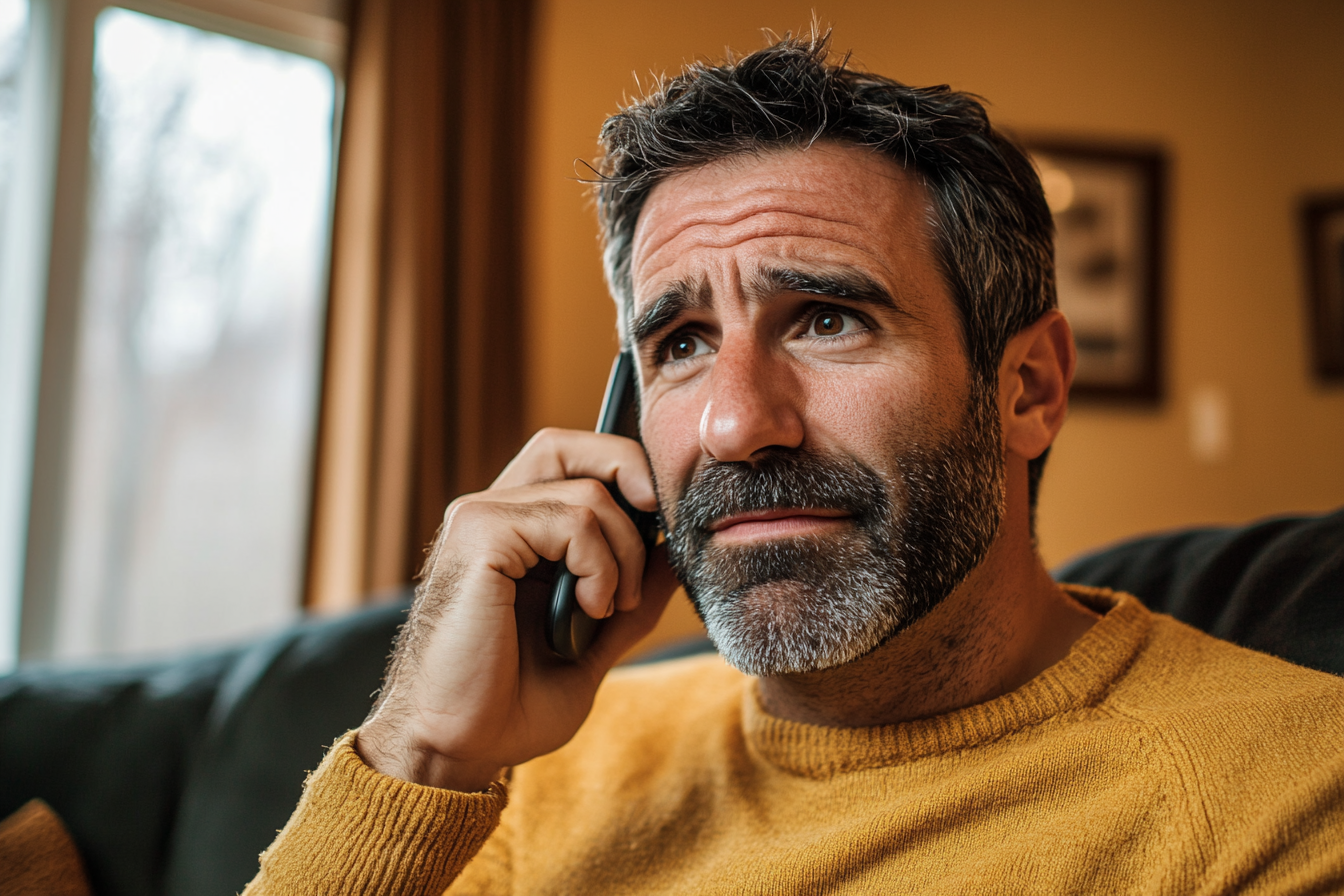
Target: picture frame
x=1323, y=238
x=1109, y=205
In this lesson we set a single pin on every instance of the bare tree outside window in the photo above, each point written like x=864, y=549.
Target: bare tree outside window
x=201, y=331
x=13, y=31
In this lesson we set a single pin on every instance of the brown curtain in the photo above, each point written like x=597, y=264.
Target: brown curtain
x=422, y=391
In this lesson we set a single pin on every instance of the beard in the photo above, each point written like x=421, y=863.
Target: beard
x=804, y=604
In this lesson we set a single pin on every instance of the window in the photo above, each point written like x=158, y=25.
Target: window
x=19, y=332
x=194, y=344
x=13, y=31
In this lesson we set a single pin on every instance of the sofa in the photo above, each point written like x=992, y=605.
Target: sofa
x=172, y=775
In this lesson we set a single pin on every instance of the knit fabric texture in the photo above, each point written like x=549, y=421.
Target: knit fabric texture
x=1152, y=759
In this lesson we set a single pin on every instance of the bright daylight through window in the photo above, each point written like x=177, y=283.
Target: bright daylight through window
x=17, y=335
x=198, y=355
x=13, y=29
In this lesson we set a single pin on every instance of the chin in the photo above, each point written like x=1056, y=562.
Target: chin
x=788, y=627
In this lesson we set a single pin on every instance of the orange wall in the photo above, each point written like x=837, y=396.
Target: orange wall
x=1247, y=97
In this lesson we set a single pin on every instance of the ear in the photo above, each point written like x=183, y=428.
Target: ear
x=1034, y=378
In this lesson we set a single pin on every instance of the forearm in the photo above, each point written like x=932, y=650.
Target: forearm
x=357, y=831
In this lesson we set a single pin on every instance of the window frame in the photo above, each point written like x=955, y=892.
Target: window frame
x=61, y=48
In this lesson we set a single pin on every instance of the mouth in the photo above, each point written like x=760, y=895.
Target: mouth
x=766, y=525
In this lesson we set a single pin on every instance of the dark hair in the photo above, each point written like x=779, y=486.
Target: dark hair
x=993, y=233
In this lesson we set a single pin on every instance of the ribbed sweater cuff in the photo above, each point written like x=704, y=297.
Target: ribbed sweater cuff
x=358, y=831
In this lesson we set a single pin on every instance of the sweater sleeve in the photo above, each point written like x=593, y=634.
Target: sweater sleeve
x=360, y=832
x=1294, y=842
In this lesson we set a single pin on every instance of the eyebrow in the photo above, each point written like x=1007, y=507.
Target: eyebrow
x=683, y=296
x=842, y=283
x=680, y=297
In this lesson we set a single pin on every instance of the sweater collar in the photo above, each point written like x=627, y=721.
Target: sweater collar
x=1077, y=681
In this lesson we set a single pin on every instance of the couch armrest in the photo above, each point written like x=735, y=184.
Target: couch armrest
x=107, y=749
x=173, y=776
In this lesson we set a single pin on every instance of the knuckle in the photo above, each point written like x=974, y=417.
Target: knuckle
x=457, y=504
x=466, y=511
x=450, y=510
x=495, y=558
x=548, y=437
x=584, y=516
x=591, y=491
x=476, y=522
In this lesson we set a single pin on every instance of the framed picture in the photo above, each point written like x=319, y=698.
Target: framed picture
x=1323, y=226
x=1108, y=203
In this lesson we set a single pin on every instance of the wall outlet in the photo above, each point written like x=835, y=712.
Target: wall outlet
x=1210, y=424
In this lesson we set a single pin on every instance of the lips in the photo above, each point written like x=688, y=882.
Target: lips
x=779, y=523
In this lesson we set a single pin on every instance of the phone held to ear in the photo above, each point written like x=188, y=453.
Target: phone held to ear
x=569, y=630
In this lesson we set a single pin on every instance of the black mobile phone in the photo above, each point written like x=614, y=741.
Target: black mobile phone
x=569, y=630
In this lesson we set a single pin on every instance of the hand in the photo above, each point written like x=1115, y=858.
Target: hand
x=472, y=687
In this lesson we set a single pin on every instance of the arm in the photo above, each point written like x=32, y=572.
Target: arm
x=358, y=831
x=472, y=688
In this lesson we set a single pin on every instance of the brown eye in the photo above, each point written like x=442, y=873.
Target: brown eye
x=683, y=346
x=828, y=323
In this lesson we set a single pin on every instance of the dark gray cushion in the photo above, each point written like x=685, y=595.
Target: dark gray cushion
x=107, y=749
x=1276, y=585
x=278, y=709
x=172, y=777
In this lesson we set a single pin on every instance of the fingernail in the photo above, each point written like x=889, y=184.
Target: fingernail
x=611, y=608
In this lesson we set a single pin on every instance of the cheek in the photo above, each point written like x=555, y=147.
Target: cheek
x=670, y=428
x=882, y=410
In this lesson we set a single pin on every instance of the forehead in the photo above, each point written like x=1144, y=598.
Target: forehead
x=827, y=204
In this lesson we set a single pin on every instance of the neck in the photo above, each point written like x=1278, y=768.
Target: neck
x=1005, y=624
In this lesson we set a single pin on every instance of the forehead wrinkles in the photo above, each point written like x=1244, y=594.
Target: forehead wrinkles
x=829, y=204
x=709, y=197
x=807, y=181
x=782, y=234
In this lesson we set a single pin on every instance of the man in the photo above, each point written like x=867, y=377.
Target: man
x=840, y=293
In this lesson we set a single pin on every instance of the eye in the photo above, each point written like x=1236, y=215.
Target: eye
x=684, y=346
x=833, y=323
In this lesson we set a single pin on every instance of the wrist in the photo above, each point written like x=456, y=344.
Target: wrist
x=425, y=767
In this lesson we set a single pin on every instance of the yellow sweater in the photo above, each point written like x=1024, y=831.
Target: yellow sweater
x=1151, y=759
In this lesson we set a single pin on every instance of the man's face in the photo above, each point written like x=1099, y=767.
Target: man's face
x=827, y=467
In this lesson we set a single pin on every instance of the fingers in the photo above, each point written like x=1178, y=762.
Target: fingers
x=472, y=686
x=575, y=519
x=624, y=630
x=554, y=454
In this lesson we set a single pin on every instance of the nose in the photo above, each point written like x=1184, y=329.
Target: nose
x=754, y=403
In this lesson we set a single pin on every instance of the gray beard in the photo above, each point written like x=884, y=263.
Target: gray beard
x=804, y=604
